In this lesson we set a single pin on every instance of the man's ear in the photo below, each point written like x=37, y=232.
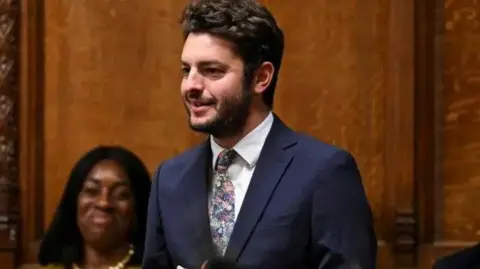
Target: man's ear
x=263, y=77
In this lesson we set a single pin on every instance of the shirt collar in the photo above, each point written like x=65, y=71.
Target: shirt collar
x=250, y=146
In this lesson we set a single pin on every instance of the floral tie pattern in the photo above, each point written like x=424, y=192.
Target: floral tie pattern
x=222, y=210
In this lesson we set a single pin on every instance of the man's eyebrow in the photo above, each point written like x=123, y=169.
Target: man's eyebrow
x=211, y=62
x=204, y=63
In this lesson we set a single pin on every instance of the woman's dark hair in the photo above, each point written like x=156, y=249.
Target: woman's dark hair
x=246, y=24
x=63, y=243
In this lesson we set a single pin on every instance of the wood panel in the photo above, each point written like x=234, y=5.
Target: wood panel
x=428, y=72
x=454, y=180
x=347, y=78
x=112, y=76
x=461, y=122
x=7, y=260
x=111, y=69
x=30, y=155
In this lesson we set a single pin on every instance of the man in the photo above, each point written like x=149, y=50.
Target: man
x=255, y=192
x=465, y=258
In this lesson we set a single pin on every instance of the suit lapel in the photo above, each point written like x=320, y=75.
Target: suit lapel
x=194, y=186
x=272, y=163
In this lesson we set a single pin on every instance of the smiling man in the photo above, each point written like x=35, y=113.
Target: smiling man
x=255, y=193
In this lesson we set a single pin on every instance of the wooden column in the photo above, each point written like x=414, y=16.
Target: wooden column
x=30, y=155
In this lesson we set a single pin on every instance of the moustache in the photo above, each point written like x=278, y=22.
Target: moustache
x=200, y=102
x=195, y=97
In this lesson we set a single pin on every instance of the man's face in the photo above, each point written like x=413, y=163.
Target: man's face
x=215, y=94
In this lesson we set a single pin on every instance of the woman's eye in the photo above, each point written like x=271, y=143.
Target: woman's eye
x=122, y=195
x=91, y=191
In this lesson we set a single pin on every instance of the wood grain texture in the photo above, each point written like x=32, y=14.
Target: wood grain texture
x=455, y=189
x=333, y=79
x=111, y=75
x=347, y=79
x=461, y=125
x=111, y=78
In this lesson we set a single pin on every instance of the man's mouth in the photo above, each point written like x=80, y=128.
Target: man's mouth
x=200, y=103
x=198, y=107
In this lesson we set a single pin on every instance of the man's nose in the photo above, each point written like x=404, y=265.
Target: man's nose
x=194, y=81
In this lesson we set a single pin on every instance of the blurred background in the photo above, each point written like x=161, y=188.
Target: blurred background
x=396, y=82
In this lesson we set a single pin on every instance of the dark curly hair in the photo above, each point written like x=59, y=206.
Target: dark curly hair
x=63, y=243
x=246, y=24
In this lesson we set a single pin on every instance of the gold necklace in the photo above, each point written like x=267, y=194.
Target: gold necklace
x=120, y=264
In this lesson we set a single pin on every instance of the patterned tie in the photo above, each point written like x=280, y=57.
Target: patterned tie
x=222, y=214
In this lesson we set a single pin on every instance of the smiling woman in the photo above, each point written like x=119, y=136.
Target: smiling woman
x=100, y=221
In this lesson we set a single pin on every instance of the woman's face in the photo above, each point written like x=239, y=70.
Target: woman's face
x=105, y=205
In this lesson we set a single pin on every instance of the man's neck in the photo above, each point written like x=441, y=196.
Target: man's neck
x=252, y=122
x=94, y=259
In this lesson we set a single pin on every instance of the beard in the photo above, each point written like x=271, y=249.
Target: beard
x=232, y=114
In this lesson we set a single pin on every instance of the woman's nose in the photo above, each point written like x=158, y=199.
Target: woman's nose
x=103, y=199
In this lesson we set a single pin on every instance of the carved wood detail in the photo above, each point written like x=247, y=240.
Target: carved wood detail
x=9, y=187
x=405, y=245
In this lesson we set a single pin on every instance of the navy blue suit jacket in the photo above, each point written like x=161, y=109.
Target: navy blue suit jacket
x=305, y=208
x=468, y=258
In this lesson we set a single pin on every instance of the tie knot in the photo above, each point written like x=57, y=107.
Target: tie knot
x=225, y=159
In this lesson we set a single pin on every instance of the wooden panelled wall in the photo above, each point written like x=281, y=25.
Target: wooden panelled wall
x=395, y=82
x=448, y=113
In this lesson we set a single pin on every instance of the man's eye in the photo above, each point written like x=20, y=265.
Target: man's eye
x=213, y=72
x=185, y=71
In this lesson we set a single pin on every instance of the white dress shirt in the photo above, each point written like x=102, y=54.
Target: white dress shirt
x=241, y=170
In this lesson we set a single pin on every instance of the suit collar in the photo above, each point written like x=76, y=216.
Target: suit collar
x=250, y=146
x=274, y=160
x=272, y=163
x=194, y=187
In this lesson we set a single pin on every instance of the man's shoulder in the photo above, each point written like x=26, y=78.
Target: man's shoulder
x=314, y=148
x=306, y=145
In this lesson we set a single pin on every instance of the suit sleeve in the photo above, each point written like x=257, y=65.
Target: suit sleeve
x=155, y=255
x=342, y=223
